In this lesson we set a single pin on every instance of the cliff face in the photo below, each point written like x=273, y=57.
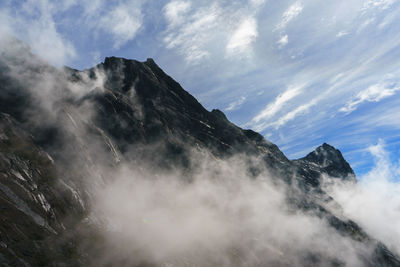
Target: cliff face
x=126, y=112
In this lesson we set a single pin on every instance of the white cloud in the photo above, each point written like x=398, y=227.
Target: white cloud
x=374, y=93
x=263, y=119
x=198, y=30
x=236, y=104
x=170, y=221
x=244, y=35
x=175, y=10
x=292, y=12
x=374, y=202
x=257, y=2
x=123, y=22
x=283, y=41
x=378, y=4
x=192, y=34
x=50, y=45
x=35, y=24
x=388, y=20
x=341, y=33
x=280, y=100
x=294, y=113
x=367, y=23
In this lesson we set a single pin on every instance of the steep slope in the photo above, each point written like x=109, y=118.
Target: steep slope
x=36, y=205
x=141, y=104
x=120, y=112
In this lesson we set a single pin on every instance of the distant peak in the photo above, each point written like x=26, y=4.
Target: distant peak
x=327, y=146
x=331, y=160
x=150, y=60
x=325, y=152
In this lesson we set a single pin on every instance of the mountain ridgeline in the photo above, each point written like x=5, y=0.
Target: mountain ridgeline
x=66, y=135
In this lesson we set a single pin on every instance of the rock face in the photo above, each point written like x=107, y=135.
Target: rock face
x=330, y=161
x=327, y=160
x=49, y=145
x=33, y=200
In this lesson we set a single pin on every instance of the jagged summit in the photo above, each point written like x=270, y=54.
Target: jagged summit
x=150, y=61
x=156, y=107
x=324, y=153
x=331, y=161
x=120, y=62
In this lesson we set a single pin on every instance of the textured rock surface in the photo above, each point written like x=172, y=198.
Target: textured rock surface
x=35, y=203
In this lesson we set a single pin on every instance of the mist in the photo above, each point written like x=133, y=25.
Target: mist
x=374, y=202
x=222, y=217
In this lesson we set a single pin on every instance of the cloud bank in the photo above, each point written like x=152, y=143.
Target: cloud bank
x=374, y=203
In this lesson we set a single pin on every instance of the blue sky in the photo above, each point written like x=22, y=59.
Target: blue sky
x=299, y=72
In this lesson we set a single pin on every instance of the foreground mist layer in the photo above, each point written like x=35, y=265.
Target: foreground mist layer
x=118, y=165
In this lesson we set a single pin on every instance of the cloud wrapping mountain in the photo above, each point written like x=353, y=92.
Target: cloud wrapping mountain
x=120, y=166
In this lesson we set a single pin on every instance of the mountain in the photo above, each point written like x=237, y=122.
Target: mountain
x=66, y=134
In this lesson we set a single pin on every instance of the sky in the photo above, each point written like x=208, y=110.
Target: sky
x=299, y=72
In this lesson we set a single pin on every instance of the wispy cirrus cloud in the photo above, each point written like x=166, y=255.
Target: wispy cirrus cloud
x=292, y=114
x=175, y=12
x=341, y=33
x=243, y=36
x=34, y=23
x=283, y=41
x=374, y=93
x=43, y=24
x=236, y=104
x=190, y=34
x=378, y=4
x=262, y=119
x=280, y=100
x=292, y=12
x=198, y=31
x=122, y=22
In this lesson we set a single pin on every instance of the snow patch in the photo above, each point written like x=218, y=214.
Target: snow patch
x=18, y=175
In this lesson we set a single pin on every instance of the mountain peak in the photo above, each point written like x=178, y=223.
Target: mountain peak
x=325, y=152
x=331, y=161
x=150, y=61
x=114, y=61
